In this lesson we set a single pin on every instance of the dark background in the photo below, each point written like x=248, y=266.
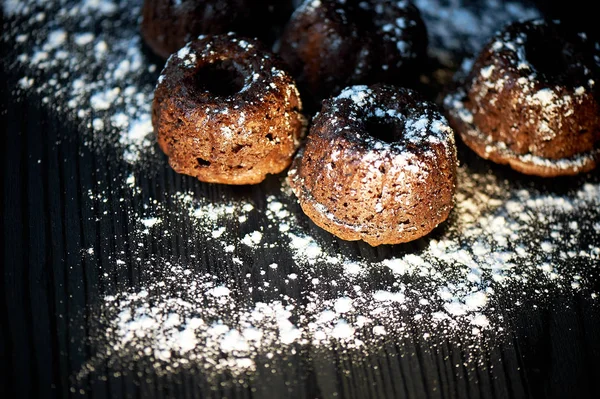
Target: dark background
x=46, y=285
x=580, y=14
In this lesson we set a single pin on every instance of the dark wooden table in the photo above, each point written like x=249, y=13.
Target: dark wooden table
x=49, y=290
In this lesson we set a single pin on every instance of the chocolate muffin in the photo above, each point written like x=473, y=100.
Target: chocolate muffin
x=531, y=100
x=225, y=111
x=330, y=44
x=167, y=25
x=379, y=165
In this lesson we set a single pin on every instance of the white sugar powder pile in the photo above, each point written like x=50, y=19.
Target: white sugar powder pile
x=503, y=248
x=237, y=292
x=102, y=81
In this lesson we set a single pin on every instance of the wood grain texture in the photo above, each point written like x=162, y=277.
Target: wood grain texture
x=47, y=286
x=49, y=291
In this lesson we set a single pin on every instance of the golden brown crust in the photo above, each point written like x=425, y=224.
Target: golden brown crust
x=497, y=152
x=225, y=111
x=379, y=165
x=531, y=101
x=168, y=25
x=377, y=41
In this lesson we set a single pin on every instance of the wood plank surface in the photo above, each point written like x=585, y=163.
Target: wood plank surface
x=50, y=290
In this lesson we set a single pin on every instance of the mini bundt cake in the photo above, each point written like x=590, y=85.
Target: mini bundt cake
x=225, y=111
x=331, y=44
x=379, y=165
x=167, y=25
x=531, y=100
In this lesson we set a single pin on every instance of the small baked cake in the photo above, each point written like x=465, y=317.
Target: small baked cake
x=226, y=111
x=167, y=25
x=330, y=44
x=379, y=165
x=531, y=100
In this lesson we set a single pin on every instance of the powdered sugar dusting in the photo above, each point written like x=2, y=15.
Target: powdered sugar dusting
x=99, y=80
x=504, y=247
x=545, y=108
x=459, y=28
x=196, y=296
x=420, y=125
